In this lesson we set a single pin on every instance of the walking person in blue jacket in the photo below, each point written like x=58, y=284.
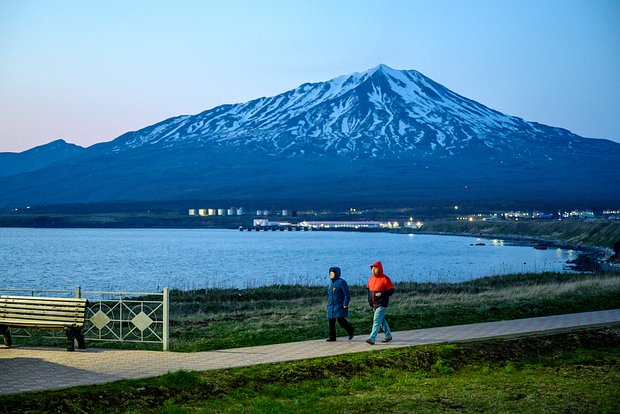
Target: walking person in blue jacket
x=338, y=304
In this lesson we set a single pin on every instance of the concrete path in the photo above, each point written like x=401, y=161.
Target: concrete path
x=35, y=369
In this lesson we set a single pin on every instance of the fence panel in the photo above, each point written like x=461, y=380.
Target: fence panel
x=140, y=317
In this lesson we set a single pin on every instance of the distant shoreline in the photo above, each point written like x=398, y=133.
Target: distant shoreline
x=592, y=255
x=158, y=221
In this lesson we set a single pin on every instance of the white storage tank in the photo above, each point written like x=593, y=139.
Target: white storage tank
x=192, y=212
x=221, y=212
x=202, y=212
x=212, y=212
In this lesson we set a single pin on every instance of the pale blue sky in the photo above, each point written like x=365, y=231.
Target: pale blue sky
x=88, y=71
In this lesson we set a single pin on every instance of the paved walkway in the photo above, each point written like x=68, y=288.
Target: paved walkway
x=34, y=369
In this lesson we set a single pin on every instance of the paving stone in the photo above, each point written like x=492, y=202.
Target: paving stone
x=36, y=369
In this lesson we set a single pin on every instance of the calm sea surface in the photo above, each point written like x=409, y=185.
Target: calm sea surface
x=150, y=259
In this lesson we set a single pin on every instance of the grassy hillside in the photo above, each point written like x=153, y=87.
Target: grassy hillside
x=597, y=232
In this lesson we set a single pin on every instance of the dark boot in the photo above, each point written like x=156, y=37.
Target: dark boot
x=351, y=333
x=332, y=330
x=347, y=327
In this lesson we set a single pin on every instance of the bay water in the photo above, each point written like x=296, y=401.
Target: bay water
x=150, y=259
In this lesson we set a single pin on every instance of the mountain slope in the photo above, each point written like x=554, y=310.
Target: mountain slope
x=382, y=136
x=379, y=113
x=36, y=158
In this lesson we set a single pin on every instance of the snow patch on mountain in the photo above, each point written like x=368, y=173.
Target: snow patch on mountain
x=382, y=112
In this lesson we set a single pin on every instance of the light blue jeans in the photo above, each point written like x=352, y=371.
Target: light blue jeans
x=380, y=322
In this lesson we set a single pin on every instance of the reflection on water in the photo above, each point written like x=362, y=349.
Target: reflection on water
x=149, y=259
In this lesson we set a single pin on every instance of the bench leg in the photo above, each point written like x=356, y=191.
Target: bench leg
x=70, y=336
x=6, y=332
x=75, y=334
x=80, y=339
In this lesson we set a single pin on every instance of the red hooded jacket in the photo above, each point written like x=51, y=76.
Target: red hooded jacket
x=380, y=283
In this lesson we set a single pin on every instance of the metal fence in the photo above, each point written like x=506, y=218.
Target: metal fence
x=141, y=317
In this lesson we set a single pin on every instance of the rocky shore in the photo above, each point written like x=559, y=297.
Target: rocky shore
x=589, y=259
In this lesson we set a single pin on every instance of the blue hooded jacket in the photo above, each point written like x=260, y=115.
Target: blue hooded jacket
x=337, y=296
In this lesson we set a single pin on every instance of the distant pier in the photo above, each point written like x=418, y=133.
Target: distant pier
x=267, y=225
x=274, y=228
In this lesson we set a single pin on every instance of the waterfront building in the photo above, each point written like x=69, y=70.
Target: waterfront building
x=516, y=215
x=349, y=224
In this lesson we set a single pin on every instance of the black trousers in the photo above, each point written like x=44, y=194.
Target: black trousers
x=345, y=325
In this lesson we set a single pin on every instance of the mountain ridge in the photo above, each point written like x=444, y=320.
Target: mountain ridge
x=347, y=115
x=414, y=128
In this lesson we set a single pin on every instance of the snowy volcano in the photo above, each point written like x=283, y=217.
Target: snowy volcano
x=378, y=113
x=393, y=135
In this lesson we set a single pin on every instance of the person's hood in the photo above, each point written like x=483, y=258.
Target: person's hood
x=379, y=266
x=336, y=270
x=381, y=281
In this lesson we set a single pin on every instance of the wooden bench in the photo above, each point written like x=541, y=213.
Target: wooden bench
x=44, y=313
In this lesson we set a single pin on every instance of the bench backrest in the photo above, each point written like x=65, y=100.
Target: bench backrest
x=42, y=312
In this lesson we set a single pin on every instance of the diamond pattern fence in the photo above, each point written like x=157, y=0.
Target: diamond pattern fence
x=114, y=316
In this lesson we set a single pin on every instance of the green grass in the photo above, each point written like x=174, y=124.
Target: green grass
x=576, y=373
x=216, y=319
x=229, y=318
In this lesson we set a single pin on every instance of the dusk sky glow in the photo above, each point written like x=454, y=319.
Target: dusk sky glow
x=87, y=72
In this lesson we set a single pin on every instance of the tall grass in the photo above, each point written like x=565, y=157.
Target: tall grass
x=209, y=319
x=214, y=319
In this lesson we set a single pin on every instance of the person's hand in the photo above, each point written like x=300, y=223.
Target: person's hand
x=378, y=294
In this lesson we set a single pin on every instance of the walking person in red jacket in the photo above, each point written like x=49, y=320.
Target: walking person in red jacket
x=380, y=288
